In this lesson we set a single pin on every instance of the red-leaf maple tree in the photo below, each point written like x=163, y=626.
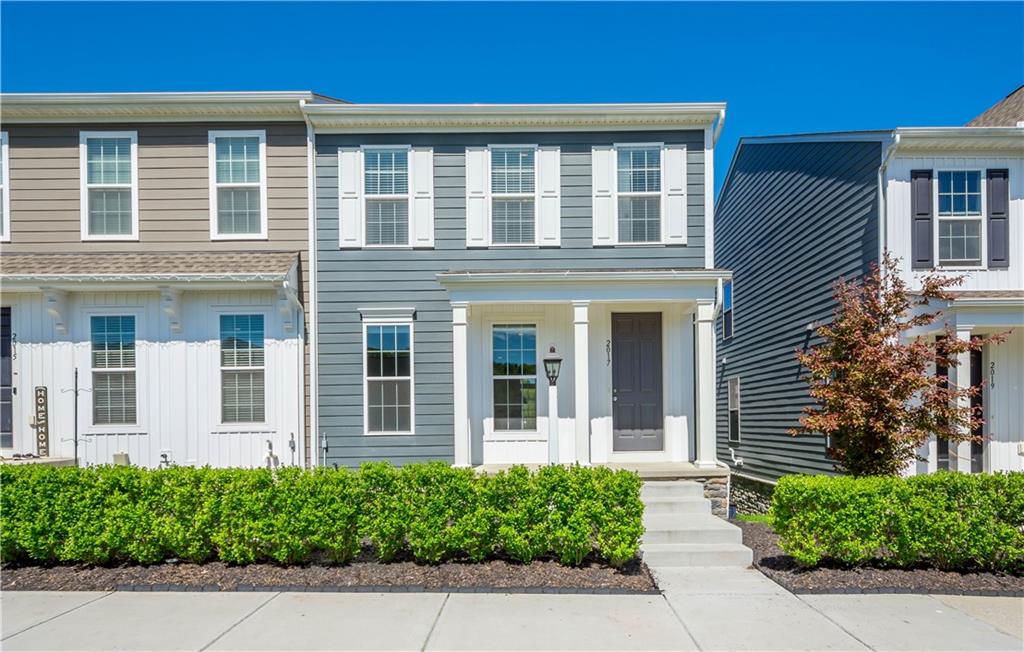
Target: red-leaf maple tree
x=878, y=398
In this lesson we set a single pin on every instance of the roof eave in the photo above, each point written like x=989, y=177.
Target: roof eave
x=960, y=138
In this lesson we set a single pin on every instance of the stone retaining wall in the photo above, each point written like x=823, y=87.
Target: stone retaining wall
x=750, y=496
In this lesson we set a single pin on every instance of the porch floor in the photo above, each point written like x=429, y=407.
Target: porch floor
x=647, y=470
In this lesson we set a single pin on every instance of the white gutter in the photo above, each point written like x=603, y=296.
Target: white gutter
x=312, y=330
x=146, y=98
x=883, y=231
x=585, y=275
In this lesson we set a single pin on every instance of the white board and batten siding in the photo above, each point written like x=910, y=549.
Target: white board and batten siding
x=898, y=211
x=177, y=380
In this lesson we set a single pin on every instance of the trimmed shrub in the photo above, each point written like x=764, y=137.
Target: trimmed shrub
x=430, y=512
x=952, y=521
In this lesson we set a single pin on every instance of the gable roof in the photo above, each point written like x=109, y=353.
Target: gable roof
x=1006, y=113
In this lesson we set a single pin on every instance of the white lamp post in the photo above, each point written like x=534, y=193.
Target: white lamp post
x=552, y=365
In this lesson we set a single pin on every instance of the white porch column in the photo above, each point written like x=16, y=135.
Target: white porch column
x=460, y=383
x=581, y=380
x=705, y=383
x=961, y=451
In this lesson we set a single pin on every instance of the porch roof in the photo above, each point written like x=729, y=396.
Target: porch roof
x=568, y=285
x=77, y=271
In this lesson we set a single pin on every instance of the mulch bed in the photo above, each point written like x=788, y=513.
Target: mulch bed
x=835, y=578
x=365, y=574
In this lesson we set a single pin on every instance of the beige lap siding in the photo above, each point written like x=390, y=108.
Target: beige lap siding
x=174, y=193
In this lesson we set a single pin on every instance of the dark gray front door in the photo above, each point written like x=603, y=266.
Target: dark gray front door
x=637, y=417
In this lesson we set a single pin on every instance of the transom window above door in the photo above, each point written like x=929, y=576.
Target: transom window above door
x=386, y=183
x=238, y=185
x=109, y=188
x=513, y=188
x=960, y=217
x=514, y=371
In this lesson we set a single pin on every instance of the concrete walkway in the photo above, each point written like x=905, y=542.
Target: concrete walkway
x=708, y=609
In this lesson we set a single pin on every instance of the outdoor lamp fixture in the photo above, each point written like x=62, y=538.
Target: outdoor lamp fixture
x=552, y=365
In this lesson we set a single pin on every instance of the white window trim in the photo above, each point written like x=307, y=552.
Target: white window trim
x=660, y=194
x=218, y=418
x=542, y=383
x=5, y=183
x=407, y=196
x=84, y=186
x=214, y=185
x=729, y=409
x=140, y=371
x=491, y=196
x=370, y=321
x=982, y=218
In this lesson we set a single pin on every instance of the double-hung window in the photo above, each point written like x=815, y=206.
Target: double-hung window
x=389, y=379
x=514, y=371
x=242, y=369
x=386, y=186
x=112, y=339
x=513, y=203
x=734, y=410
x=5, y=190
x=109, y=185
x=238, y=185
x=960, y=218
x=639, y=193
x=727, y=310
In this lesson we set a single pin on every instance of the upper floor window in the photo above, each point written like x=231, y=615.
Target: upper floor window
x=727, y=310
x=960, y=217
x=639, y=185
x=112, y=339
x=238, y=185
x=5, y=187
x=109, y=185
x=386, y=184
x=242, y=369
x=513, y=188
x=639, y=193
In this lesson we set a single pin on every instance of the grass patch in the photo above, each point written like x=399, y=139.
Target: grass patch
x=754, y=518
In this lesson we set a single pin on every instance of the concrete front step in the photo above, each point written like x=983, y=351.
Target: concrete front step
x=689, y=528
x=672, y=489
x=675, y=555
x=677, y=505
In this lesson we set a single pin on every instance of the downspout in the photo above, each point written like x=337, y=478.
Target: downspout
x=883, y=231
x=312, y=329
x=718, y=128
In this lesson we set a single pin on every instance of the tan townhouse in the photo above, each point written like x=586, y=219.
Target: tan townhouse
x=153, y=255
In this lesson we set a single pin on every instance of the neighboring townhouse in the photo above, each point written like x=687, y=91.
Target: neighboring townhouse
x=458, y=246
x=798, y=212
x=154, y=247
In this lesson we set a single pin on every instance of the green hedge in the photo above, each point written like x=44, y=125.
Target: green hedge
x=429, y=511
x=952, y=521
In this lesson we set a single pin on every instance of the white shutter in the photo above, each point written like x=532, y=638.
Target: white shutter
x=477, y=197
x=350, y=197
x=549, y=196
x=421, y=196
x=603, y=180
x=673, y=194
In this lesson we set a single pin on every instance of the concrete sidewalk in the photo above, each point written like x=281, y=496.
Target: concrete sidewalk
x=707, y=609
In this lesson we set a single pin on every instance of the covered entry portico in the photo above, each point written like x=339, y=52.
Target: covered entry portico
x=637, y=382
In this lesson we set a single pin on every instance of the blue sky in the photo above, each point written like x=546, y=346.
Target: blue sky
x=781, y=67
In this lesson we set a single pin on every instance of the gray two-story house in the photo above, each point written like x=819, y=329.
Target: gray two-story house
x=797, y=212
x=459, y=247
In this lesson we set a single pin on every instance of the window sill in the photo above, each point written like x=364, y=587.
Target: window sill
x=406, y=433
x=110, y=238
x=238, y=236
x=94, y=430
x=236, y=428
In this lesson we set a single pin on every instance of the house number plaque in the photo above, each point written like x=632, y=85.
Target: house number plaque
x=42, y=422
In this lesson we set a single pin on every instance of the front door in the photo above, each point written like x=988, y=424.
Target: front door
x=638, y=422
x=6, y=389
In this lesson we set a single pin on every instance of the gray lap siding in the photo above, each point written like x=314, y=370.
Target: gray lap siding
x=792, y=218
x=352, y=278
